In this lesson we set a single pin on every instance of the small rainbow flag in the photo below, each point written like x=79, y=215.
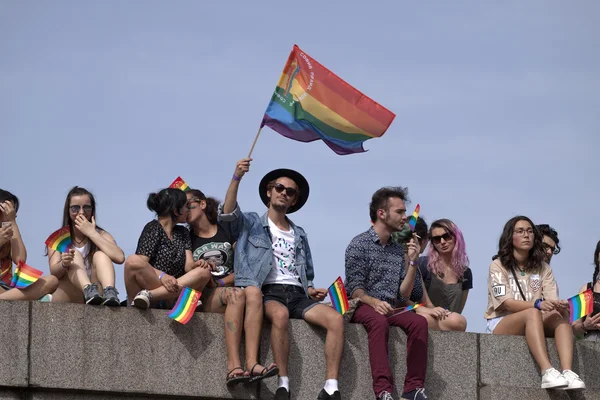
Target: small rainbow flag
x=402, y=310
x=185, y=306
x=413, y=220
x=338, y=296
x=60, y=240
x=179, y=184
x=24, y=276
x=310, y=102
x=581, y=305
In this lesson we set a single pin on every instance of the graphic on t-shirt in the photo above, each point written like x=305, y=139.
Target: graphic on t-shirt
x=285, y=255
x=535, y=282
x=219, y=253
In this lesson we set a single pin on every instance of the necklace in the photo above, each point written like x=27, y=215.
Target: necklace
x=522, y=271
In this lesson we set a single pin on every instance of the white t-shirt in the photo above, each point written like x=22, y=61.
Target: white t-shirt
x=284, y=256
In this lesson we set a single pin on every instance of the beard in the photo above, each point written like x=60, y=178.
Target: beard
x=279, y=207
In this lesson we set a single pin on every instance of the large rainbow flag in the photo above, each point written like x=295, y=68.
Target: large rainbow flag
x=185, y=306
x=60, y=240
x=338, y=296
x=24, y=276
x=310, y=102
x=581, y=305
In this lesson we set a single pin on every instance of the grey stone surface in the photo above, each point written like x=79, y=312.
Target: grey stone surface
x=508, y=359
x=14, y=332
x=127, y=350
x=69, y=395
x=307, y=363
x=513, y=393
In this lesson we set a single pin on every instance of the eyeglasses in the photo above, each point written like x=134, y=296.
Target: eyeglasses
x=279, y=188
x=192, y=200
x=86, y=209
x=522, y=232
x=555, y=250
x=438, y=239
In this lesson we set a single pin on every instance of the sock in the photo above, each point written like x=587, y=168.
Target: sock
x=331, y=385
x=409, y=395
x=284, y=381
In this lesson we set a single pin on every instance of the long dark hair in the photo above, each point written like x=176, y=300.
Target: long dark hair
x=505, y=247
x=5, y=195
x=596, y=262
x=79, y=191
x=212, y=205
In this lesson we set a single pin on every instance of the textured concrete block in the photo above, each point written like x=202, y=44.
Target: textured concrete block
x=586, y=361
x=509, y=393
x=307, y=363
x=126, y=350
x=14, y=332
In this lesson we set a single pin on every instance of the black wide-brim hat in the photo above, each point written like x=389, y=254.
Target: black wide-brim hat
x=297, y=177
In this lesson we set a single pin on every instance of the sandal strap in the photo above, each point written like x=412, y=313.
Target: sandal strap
x=252, y=370
x=234, y=369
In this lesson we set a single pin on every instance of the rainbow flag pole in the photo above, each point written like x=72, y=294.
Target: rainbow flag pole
x=312, y=103
x=186, y=305
x=581, y=305
x=402, y=310
x=338, y=296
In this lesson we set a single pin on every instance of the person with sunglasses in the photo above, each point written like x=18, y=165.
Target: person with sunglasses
x=12, y=250
x=214, y=242
x=445, y=269
x=523, y=300
x=588, y=327
x=549, y=241
x=85, y=272
x=163, y=263
x=272, y=253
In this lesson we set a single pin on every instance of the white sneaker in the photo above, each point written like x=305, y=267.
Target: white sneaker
x=574, y=381
x=552, y=379
x=142, y=299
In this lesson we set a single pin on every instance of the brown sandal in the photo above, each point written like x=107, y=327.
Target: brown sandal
x=235, y=379
x=265, y=373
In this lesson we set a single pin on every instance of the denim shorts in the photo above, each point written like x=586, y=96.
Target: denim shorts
x=290, y=296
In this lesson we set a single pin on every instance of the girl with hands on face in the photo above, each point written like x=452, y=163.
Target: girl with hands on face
x=12, y=250
x=588, y=327
x=523, y=300
x=86, y=271
x=163, y=263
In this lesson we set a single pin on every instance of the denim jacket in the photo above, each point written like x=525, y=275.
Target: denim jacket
x=253, y=252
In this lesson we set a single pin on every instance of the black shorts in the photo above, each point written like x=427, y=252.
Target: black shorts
x=290, y=296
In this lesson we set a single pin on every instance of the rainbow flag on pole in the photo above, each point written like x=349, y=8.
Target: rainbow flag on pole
x=185, y=306
x=310, y=102
x=24, y=276
x=413, y=220
x=338, y=296
x=581, y=305
x=179, y=184
x=60, y=240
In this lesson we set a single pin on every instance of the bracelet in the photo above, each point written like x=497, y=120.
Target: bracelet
x=236, y=178
x=63, y=265
x=537, y=303
x=220, y=282
x=160, y=276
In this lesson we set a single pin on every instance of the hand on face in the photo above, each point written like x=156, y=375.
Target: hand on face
x=84, y=226
x=8, y=210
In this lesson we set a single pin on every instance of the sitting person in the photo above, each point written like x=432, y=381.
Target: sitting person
x=213, y=241
x=445, y=269
x=523, y=300
x=549, y=241
x=163, y=264
x=589, y=326
x=85, y=273
x=12, y=250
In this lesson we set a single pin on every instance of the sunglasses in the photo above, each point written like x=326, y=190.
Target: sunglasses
x=193, y=200
x=438, y=239
x=86, y=209
x=553, y=248
x=279, y=188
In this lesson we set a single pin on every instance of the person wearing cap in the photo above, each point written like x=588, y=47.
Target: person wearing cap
x=273, y=253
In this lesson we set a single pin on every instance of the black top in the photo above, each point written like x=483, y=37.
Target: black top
x=165, y=255
x=596, y=299
x=218, y=248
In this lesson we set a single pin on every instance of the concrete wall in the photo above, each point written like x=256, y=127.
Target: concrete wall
x=68, y=351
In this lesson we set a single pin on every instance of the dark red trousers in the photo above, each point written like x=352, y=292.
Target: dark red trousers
x=378, y=330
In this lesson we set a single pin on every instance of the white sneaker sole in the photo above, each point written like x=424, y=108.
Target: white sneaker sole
x=141, y=302
x=554, y=385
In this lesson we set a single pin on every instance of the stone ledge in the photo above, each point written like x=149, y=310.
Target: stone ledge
x=14, y=345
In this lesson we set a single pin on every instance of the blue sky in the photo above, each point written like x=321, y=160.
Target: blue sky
x=497, y=115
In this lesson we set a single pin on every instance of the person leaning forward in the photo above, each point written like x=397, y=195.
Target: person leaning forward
x=273, y=253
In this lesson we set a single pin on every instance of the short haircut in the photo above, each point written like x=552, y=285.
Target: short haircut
x=381, y=197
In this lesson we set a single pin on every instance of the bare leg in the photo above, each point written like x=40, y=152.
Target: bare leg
x=104, y=269
x=527, y=322
x=253, y=325
x=557, y=324
x=41, y=287
x=139, y=275
x=280, y=339
x=333, y=321
x=76, y=272
x=453, y=322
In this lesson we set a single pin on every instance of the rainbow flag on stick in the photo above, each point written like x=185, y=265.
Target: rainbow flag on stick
x=581, y=305
x=185, y=306
x=338, y=296
x=310, y=102
x=24, y=276
x=179, y=184
x=402, y=310
x=60, y=240
x=413, y=220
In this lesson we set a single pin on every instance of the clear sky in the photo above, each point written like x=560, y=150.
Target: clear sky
x=497, y=115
